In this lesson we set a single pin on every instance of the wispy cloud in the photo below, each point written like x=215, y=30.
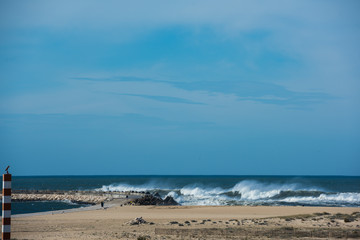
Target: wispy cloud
x=263, y=92
x=167, y=99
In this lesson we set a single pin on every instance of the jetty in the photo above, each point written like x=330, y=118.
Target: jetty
x=78, y=196
x=92, y=197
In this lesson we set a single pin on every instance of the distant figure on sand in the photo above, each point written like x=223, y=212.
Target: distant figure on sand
x=102, y=204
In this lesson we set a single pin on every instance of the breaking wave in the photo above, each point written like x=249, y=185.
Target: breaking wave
x=246, y=192
x=338, y=199
x=124, y=187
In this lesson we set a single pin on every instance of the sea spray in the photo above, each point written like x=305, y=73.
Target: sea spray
x=125, y=187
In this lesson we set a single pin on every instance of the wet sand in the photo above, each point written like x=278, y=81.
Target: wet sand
x=191, y=222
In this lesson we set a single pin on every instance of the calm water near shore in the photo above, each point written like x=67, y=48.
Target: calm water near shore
x=43, y=206
x=206, y=190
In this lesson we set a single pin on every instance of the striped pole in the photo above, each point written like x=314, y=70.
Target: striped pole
x=6, y=206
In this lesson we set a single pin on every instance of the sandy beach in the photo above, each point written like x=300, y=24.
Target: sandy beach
x=190, y=222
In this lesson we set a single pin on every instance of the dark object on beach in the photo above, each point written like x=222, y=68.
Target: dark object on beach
x=348, y=219
x=102, y=204
x=143, y=238
x=137, y=221
x=152, y=200
x=157, y=194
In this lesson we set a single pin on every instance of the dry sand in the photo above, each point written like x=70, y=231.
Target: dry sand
x=191, y=222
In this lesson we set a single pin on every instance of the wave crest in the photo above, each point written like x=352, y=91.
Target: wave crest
x=327, y=199
x=253, y=190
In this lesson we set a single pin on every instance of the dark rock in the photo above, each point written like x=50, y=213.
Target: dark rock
x=152, y=200
x=169, y=201
x=157, y=194
x=148, y=200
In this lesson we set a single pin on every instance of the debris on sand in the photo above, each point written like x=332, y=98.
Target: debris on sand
x=137, y=221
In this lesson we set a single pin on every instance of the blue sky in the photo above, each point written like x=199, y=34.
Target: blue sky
x=180, y=87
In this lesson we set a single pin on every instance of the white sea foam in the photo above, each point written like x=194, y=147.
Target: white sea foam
x=253, y=190
x=199, y=199
x=196, y=195
x=340, y=198
x=172, y=194
x=123, y=187
x=200, y=191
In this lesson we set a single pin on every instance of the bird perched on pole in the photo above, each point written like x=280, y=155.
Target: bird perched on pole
x=7, y=170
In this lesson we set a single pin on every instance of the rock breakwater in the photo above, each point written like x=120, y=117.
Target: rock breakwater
x=91, y=197
x=154, y=200
x=81, y=197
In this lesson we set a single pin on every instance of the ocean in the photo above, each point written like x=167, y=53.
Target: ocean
x=333, y=191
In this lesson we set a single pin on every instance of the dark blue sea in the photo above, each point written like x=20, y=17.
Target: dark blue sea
x=333, y=191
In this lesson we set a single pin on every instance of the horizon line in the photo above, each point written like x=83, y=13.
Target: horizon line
x=187, y=175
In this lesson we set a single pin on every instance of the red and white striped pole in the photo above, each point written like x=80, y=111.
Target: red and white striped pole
x=6, y=205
